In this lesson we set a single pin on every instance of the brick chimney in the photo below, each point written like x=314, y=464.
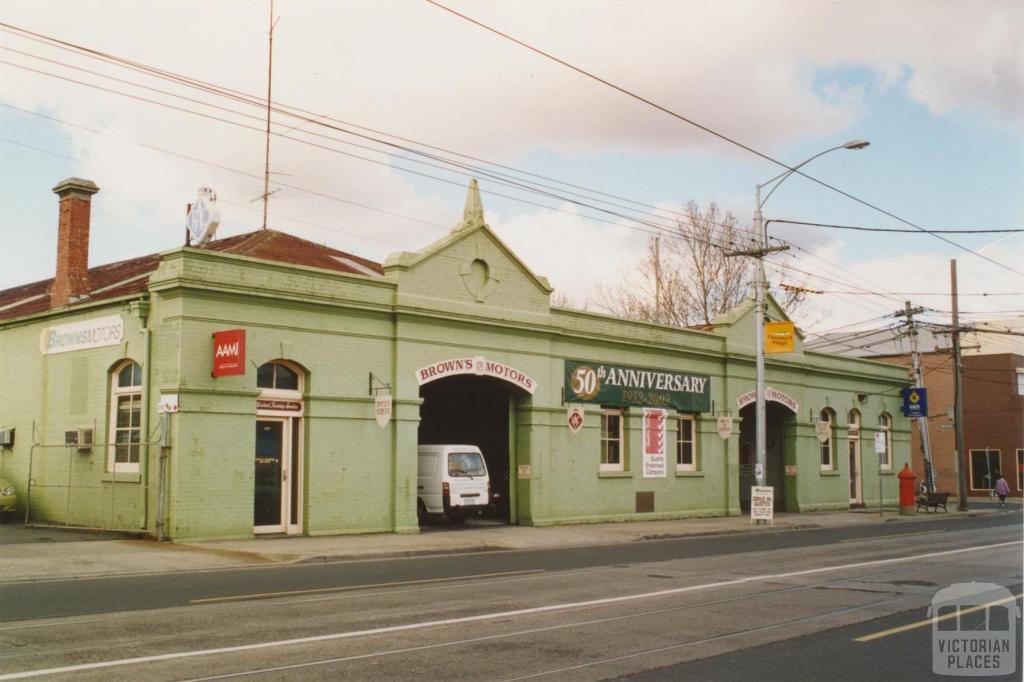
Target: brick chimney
x=72, y=278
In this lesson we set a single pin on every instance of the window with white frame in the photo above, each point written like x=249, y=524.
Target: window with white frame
x=686, y=443
x=853, y=423
x=611, y=440
x=885, y=427
x=1020, y=382
x=125, y=417
x=1020, y=469
x=826, y=445
x=985, y=468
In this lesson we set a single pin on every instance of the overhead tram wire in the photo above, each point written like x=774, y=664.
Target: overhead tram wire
x=651, y=227
x=246, y=206
x=249, y=99
x=892, y=229
x=289, y=111
x=254, y=102
x=656, y=229
x=713, y=132
x=659, y=229
x=851, y=283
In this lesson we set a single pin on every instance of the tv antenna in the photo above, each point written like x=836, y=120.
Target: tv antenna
x=270, y=73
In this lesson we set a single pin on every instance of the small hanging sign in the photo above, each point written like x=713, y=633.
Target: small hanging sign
x=574, y=418
x=382, y=407
x=823, y=430
x=725, y=427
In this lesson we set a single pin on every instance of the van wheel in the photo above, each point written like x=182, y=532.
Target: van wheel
x=421, y=512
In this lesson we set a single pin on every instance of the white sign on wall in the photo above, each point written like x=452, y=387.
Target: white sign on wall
x=382, y=407
x=880, y=443
x=96, y=333
x=823, y=430
x=725, y=427
x=762, y=503
x=654, y=442
x=168, y=403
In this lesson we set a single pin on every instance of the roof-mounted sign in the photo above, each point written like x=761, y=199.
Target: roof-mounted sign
x=203, y=216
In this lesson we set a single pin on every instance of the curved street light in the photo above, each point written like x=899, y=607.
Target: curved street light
x=761, y=290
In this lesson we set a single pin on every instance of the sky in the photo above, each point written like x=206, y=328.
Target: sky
x=936, y=87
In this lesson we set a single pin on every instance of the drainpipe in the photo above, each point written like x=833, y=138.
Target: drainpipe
x=165, y=443
x=143, y=311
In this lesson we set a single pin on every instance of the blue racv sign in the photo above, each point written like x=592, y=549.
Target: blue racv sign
x=915, y=402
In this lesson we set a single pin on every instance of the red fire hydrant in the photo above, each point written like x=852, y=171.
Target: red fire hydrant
x=907, y=491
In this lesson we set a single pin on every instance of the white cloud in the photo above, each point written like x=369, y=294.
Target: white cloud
x=748, y=69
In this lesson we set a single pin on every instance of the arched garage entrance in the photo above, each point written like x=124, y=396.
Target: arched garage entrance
x=474, y=401
x=780, y=448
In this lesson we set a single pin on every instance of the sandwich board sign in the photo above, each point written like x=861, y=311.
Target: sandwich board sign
x=762, y=504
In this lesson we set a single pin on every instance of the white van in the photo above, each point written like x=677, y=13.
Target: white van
x=452, y=480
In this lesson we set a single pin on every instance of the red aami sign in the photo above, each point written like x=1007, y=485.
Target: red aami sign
x=228, y=353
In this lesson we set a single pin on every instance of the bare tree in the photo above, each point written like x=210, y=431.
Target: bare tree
x=686, y=278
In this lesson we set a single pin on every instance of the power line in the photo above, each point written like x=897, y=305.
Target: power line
x=713, y=132
x=252, y=100
x=248, y=99
x=918, y=293
x=889, y=229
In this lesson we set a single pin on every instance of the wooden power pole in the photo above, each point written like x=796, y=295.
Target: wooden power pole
x=958, y=401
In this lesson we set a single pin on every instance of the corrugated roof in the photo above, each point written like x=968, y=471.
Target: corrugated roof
x=132, y=276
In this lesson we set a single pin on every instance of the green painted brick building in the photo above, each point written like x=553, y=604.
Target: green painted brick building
x=119, y=422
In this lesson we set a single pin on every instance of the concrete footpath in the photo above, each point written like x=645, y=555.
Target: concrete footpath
x=34, y=553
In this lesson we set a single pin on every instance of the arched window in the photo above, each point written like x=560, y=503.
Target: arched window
x=853, y=423
x=277, y=376
x=125, y=417
x=827, y=461
x=885, y=426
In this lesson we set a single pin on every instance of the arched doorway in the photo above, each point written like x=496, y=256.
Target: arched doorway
x=277, y=495
x=476, y=410
x=779, y=447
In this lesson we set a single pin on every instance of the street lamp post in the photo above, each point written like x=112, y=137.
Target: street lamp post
x=761, y=291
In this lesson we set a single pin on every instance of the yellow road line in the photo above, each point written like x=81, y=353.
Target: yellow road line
x=928, y=621
x=347, y=588
x=894, y=535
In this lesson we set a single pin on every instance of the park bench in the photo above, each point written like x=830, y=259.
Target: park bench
x=933, y=500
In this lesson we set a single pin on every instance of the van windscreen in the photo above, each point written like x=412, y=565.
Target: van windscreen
x=466, y=464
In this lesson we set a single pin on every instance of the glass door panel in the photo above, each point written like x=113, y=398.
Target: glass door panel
x=269, y=463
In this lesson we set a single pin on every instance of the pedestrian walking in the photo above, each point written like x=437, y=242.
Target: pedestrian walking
x=1002, y=489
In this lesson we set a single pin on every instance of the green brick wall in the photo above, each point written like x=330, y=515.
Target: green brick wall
x=359, y=477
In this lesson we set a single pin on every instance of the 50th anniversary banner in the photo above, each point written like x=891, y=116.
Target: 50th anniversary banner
x=622, y=385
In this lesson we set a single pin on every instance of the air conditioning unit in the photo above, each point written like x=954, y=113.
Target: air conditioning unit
x=7, y=437
x=80, y=438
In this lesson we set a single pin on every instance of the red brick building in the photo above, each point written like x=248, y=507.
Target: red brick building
x=993, y=400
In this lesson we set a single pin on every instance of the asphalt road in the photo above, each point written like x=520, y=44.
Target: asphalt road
x=648, y=608
x=27, y=600
x=901, y=650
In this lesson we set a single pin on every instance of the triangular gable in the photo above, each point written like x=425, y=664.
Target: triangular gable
x=470, y=266
x=738, y=324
